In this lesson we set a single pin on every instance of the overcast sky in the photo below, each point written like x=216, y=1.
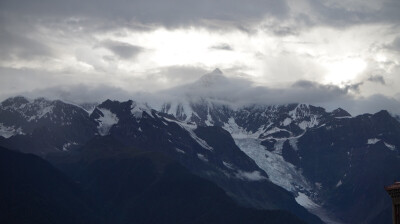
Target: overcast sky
x=327, y=52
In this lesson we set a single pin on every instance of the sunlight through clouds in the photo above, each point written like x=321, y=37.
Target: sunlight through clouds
x=133, y=46
x=343, y=71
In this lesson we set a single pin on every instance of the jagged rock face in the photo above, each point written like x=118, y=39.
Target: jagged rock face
x=351, y=159
x=332, y=157
x=207, y=151
x=292, y=118
x=44, y=126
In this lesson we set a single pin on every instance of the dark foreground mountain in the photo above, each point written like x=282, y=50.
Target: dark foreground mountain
x=117, y=186
x=33, y=191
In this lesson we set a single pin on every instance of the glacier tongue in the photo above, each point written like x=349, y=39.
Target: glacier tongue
x=280, y=172
x=306, y=202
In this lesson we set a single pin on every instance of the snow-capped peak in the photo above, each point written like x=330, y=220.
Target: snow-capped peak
x=217, y=71
x=106, y=120
x=213, y=78
x=15, y=101
x=137, y=109
x=31, y=110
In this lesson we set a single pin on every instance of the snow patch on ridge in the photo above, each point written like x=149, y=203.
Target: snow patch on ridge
x=274, y=130
x=250, y=176
x=180, y=151
x=391, y=147
x=287, y=121
x=209, y=121
x=238, y=132
x=190, y=129
x=303, y=200
x=7, y=132
x=41, y=112
x=67, y=145
x=372, y=141
x=138, y=109
x=228, y=165
x=106, y=121
x=202, y=157
x=309, y=124
x=339, y=183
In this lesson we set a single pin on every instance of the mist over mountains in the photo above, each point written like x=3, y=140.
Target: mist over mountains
x=315, y=163
x=235, y=91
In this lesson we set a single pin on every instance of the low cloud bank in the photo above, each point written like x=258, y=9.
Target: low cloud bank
x=233, y=91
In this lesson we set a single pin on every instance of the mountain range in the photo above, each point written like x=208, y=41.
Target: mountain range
x=258, y=161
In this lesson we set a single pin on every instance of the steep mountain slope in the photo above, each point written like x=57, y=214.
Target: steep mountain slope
x=116, y=187
x=43, y=126
x=148, y=182
x=302, y=148
x=209, y=152
x=351, y=160
x=311, y=152
x=32, y=191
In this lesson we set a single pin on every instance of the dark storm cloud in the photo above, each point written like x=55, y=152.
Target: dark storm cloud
x=395, y=45
x=354, y=87
x=171, y=13
x=121, y=49
x=277, y=28
x=377, y=79
x=101, y=15
x=16, y=45
x=354, y=12
x=222, y=46
x=284, y=31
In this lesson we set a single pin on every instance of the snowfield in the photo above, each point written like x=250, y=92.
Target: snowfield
x=106, y=121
